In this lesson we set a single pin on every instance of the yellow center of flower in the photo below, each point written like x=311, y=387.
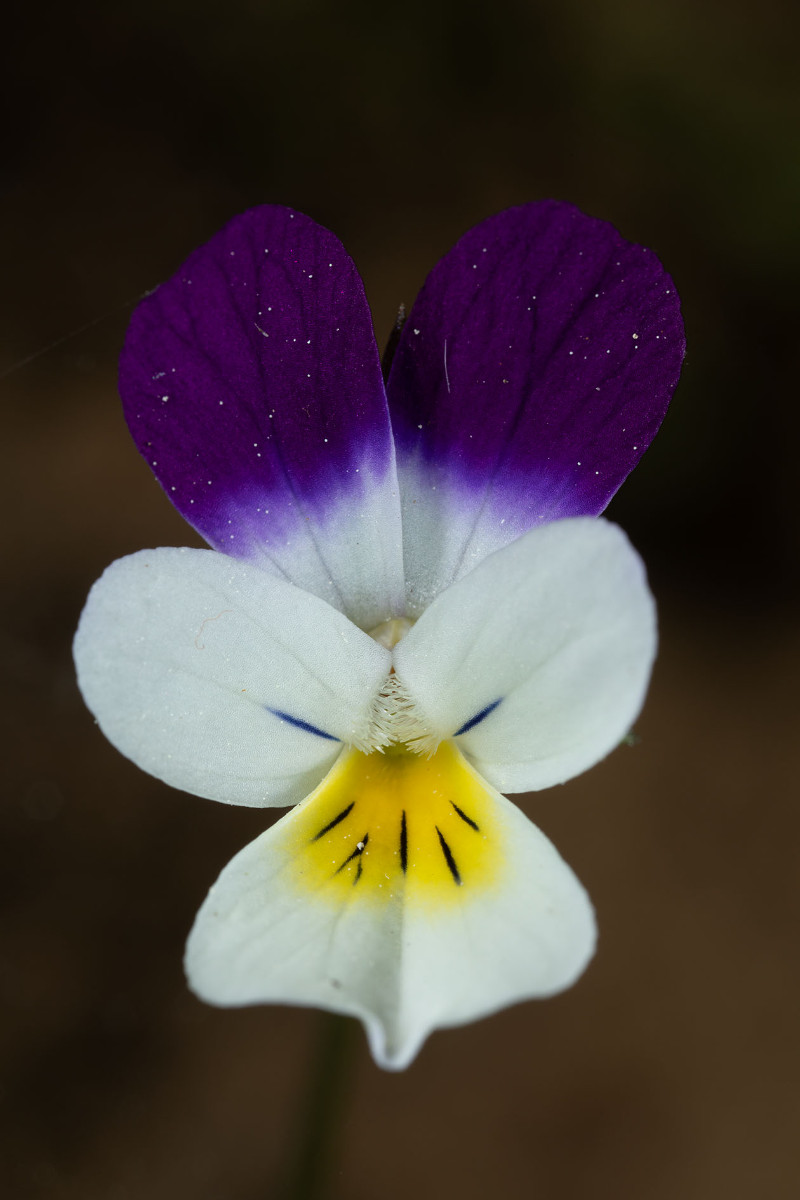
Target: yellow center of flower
x=391, y=823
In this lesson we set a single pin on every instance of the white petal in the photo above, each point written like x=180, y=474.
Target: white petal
x=559, y=628
x=186, y=656
x=329, y=909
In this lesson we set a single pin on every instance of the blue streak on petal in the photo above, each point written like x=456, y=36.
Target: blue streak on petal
x=476, y=720
x=305, y=725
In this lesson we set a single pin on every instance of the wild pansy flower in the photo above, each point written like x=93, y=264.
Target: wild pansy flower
x=409, y=606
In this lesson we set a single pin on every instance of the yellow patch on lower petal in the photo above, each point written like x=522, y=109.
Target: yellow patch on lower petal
x=380, y=825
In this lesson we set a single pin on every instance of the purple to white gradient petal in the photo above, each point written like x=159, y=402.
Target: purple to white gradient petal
x=251, y=383
x=533, y=371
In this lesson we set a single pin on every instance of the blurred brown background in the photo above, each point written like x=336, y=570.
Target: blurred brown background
x=131, y=132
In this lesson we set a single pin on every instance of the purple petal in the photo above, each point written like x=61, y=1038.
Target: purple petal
x=544, y=345
x=251, y=383
x=532, y=373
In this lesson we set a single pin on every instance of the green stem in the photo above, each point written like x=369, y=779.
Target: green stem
x=323, y=1109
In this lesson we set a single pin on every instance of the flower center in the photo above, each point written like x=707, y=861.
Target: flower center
x=395, y=719
x=389, y=633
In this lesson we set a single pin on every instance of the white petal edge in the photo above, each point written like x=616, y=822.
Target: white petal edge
x=405, y=969
x=181, y=654
x=560, y=627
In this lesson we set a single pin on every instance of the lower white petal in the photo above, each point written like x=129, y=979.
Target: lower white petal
x=405, y=892
x=221, y=679
x=538, y=660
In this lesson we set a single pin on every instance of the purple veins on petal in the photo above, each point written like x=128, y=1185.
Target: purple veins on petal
x=298, y=723
x=479, y=716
